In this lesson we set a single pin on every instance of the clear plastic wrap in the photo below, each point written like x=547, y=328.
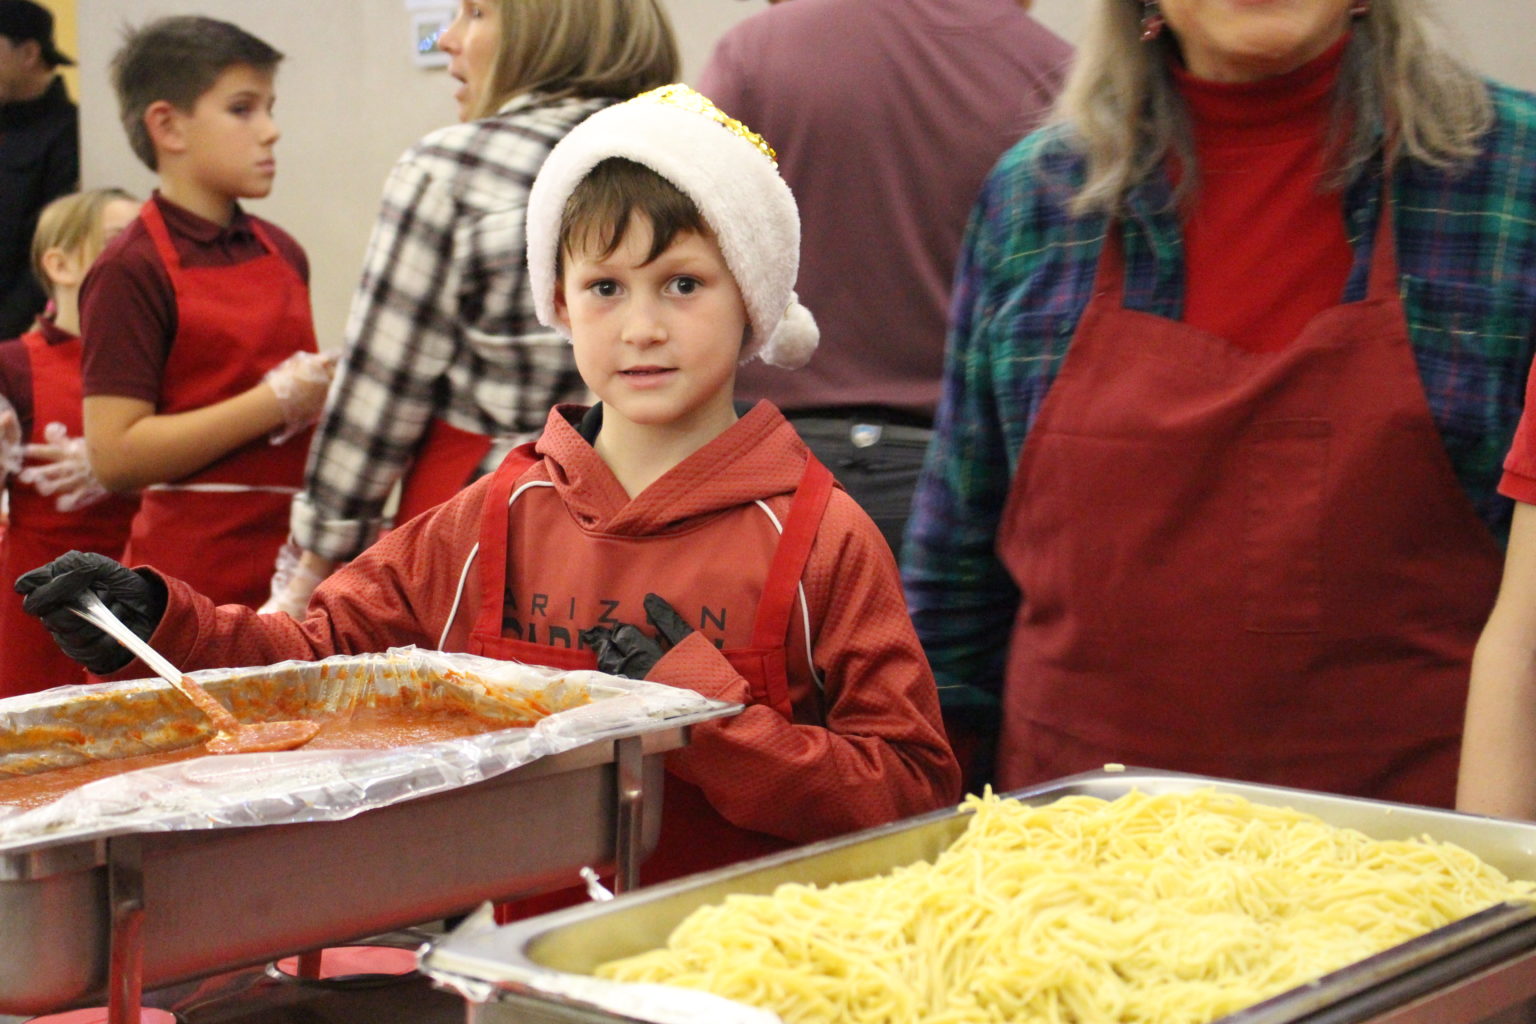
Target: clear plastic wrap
x=76, y=724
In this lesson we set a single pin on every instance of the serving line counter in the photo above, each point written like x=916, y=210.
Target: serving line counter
x=201, y=866
x=1478, y=969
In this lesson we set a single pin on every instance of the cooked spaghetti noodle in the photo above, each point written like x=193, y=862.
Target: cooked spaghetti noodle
x=1168, y=909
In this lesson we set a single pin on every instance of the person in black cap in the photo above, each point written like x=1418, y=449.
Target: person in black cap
x=39, y=150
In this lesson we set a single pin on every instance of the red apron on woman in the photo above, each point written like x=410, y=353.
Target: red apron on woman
x=39, y=532
x=1250, y=565
x=219, y=528
x=549, y=553
x=445, y=464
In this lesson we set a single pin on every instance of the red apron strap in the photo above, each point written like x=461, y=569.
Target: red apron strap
x=493, y=538
x=1384, y=273
x=1109, y=278
x=800, y=528
x=264, y=238
x=149, y=213
x=154, y=222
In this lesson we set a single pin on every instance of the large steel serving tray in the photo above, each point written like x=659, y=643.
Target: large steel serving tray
x=538, y=970
x=82, y=915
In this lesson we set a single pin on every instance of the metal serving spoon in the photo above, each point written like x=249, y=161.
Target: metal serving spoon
x=233, y=736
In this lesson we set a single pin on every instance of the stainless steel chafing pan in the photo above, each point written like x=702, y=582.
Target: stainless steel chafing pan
x=84, y=913
x=537, y=970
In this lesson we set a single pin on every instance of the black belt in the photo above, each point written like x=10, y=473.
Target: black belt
x=867, y=427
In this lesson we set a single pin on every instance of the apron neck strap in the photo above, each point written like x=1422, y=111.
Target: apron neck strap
x=1384, y=273
x=493, y=537
x=800, y=528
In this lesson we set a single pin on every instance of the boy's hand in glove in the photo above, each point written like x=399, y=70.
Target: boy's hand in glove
x=623, y=650
x=301, y=383
x=137, y=598
x=63, y=468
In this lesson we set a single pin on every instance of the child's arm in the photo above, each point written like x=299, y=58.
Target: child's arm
x=1498, y=752
x=131, y=446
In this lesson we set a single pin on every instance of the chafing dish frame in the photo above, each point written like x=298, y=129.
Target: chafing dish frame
x=113, y=916
x=513, y=972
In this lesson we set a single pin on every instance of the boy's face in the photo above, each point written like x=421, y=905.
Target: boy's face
x=229, y=134
x=658, y=342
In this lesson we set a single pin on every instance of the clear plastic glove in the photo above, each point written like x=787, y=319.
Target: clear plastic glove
x=10, y=440
x=62, y=467
x=300, y=383
x=292, y=583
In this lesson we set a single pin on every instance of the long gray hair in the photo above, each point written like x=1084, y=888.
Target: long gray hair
x=1397, y=82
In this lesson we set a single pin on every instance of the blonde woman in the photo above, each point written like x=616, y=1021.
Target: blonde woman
x=1238, y=346
x=445, y=366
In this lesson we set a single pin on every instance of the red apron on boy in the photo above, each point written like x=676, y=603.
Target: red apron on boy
x=763, y=570
x=219, y=528
x=1257, y=565
x=39, y=532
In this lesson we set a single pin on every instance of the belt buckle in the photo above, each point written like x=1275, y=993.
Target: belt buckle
x=865, y=435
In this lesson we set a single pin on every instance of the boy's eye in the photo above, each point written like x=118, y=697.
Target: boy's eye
x=684, y=285
x=604, y=289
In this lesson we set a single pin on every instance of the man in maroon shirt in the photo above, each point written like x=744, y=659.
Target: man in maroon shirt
x=886, y=118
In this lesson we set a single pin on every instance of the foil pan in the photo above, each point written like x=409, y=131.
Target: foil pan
x=71, y=725
x=539, y=971
x=214, y=863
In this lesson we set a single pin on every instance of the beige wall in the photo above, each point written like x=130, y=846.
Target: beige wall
x=350, y=99
x=1494, y=34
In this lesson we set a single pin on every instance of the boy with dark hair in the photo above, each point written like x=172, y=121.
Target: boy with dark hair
x=175, y=61
x=663, y=242
x=200, y=341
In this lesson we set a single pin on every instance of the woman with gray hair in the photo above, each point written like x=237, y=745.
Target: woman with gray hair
x=1239, y=343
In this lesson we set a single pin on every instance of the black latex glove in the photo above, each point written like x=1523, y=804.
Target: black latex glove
x=136, y=598
x=623, y=650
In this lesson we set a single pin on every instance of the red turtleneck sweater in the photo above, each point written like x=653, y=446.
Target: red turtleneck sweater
x=1265, y=247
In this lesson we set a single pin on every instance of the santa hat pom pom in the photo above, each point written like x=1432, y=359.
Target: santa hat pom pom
x=794, y=339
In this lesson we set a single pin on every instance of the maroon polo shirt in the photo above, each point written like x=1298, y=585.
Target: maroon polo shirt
x=127, y=303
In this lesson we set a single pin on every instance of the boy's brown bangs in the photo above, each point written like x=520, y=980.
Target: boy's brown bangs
x=598, y=213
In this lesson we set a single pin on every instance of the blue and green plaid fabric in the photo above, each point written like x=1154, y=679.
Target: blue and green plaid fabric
x=1467, y=257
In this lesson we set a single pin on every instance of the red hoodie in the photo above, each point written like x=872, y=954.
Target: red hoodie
x=879, y=752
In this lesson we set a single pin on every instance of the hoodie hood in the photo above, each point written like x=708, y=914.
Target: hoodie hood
x=759, y=457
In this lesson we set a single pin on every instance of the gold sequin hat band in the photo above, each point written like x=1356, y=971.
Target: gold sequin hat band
x=684, y=98
x=676, y=133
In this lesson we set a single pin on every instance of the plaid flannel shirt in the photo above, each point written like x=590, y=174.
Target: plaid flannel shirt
x=442, y=324
x=1467, y=261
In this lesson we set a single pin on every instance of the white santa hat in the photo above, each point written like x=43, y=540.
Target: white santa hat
x=727, y=170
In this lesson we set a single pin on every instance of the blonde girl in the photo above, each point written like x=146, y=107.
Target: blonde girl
x=55, y=501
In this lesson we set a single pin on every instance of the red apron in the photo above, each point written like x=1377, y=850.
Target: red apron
x=219, y=528
x=1250, y=565
x=39, y=532
x=444, y=465
x=694, y=837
